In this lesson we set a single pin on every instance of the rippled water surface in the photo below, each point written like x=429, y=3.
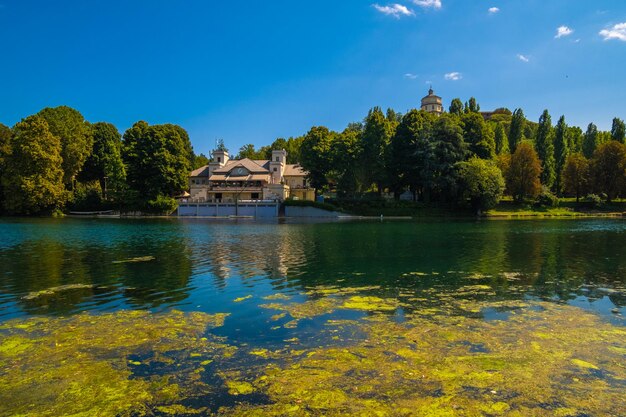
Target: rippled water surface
x=445, y=317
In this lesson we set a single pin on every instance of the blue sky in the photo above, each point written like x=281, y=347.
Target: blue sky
x=252, y=71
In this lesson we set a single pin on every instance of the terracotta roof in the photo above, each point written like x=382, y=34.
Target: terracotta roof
x=294, y=170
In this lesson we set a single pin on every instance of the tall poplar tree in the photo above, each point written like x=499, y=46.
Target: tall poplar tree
x=501, y=140
x=561, y=150
x=618, y=130
x=590, y=141
x=516, y=131
x=544, y=144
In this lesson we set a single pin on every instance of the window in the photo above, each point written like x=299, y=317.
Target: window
x=277, y=159
x=219, y=159
x=275, y=169
x=304, y=183
x=254, y=196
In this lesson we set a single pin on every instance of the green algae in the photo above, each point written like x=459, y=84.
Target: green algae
x=451, y=365
x=370, y=303
x=54, y=290
x=84, y=365
x=240, y=299
x=441, y=359
x=135, y=260
x=239, y=387
x=277, y=296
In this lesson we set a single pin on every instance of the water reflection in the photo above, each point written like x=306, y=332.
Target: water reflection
x=208, y=263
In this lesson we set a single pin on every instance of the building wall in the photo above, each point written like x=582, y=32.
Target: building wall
x=226, y=210
x=302, y=194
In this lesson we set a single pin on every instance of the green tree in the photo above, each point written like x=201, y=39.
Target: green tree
x=501, y=140
x=590, y=141
x=377, y=133
x=481, y=183
x=473, y=106
x=478, y=135
x=523, y=173
x=456, y=107
x=576, y=175
x=33, y=177
x=248, y=151
x=608, y=169
x=544, y=143
x=316, y=155
x=200, y=160
x=76, y=141
x=406, y=164
x=561, y=150
x=575, y=139
x=105, y=164
x=516, y=131
x=346, y=171
x=444, y=149
x=618, y=130
x=5, y=138
x=157, y=160
x=220, y=146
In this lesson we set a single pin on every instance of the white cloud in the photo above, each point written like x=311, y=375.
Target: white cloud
x=435, y=4
x=493, y=10
x=618, y=32
x=410, y=76
x=453, y=76
x=395, y=10
x=523, y=58
x=563, y=31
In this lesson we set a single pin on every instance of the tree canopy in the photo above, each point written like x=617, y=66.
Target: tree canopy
x=523, y=176
x=157, y=159
x=32, y=178
x=74, y=133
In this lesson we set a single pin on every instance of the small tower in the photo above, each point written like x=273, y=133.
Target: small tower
x=220, y=157
x=277, y=165
x=432, y=103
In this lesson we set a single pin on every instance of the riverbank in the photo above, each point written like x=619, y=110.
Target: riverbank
x=505, y=209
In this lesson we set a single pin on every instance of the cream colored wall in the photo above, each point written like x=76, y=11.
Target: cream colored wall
x=294, y=182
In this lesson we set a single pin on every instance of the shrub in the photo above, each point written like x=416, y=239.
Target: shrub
x=593, y=200
x=546, y=198
x=161, y=205
x=86, y=197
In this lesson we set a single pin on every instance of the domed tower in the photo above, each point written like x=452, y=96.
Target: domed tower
x=432, y=103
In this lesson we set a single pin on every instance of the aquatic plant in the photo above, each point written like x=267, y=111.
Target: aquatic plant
x=117, y=364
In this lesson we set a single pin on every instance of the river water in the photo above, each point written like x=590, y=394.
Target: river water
x=207, y=317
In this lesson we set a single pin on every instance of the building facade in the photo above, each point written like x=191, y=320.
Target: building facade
x=226, y=180
x=432, y=103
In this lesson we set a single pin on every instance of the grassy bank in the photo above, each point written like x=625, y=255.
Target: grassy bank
x=505, y=209
x=567, y=207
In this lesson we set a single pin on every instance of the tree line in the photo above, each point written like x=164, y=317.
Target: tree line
x=464, y=156
x=56, y=160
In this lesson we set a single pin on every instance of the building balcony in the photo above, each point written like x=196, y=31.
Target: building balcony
x=234, y=189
